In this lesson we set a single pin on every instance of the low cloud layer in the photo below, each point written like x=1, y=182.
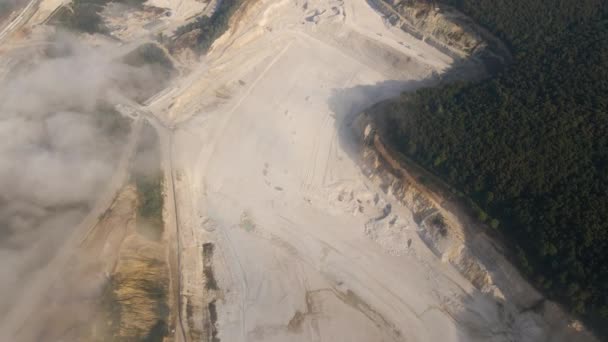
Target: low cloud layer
x=58, y=151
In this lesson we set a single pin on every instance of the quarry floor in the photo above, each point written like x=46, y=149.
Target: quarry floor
x=263, y=172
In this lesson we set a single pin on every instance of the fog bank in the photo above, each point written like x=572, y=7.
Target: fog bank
x=61, y=140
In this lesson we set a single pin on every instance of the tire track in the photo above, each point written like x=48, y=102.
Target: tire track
x=312, y=171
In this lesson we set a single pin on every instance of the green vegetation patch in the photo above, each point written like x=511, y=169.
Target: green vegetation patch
x=85, y=15
x=152, y=61
x=149, y=54
x=149, y=182
x=210, y=281
x=150, y=202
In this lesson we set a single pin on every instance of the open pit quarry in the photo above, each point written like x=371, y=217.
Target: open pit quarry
x=251, y=197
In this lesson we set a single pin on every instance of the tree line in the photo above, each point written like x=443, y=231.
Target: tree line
x=528, y=148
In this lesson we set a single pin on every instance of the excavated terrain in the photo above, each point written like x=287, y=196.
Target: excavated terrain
x=446, y=228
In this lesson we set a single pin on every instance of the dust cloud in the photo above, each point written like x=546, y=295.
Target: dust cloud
x=61, y=139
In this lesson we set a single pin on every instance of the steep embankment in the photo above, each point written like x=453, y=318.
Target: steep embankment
x=528, y=149
x=447, y=225
x=454, y=237
x=446, y=29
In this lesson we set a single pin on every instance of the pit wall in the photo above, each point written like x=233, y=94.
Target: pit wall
x=461, y=242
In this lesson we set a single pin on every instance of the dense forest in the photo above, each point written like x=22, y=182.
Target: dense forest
x=528, y=148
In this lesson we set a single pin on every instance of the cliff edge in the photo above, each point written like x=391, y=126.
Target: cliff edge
x=459, y=241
